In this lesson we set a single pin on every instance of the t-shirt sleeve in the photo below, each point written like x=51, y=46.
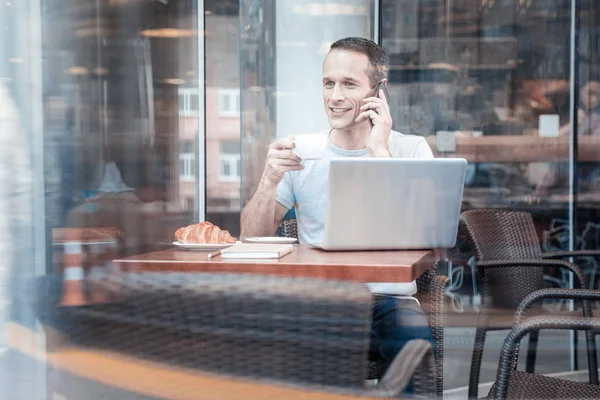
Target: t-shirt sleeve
x=422, y=149
x=285, y=192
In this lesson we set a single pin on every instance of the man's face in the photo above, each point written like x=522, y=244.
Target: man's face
x=345, y=84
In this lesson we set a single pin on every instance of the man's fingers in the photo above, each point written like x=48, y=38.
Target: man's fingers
x=284, y=161
x=372, y=106
x=374, y=100
x=367, y=114
x=282, y=169
x=284, y=154
x=283, y=144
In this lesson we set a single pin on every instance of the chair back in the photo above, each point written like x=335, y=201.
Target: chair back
x=504, y=235
x=288, y=228
x=288, y=329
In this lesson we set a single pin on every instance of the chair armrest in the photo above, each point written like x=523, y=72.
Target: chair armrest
x=414, y=362
x=525, y=327
x=556, y=293
x=575, y=253
x=537, y=263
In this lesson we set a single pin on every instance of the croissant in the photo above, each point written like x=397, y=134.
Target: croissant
x=204, y=233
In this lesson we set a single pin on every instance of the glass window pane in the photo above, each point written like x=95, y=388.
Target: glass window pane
x=134, y=108
x=222, y=116
x=109, y=108
x=282, y=51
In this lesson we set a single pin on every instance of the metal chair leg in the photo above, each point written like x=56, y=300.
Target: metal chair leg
x=531, y=351
x=476, y=361
x=592, y=357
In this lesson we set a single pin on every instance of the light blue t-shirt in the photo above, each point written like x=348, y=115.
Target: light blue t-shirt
x=306, y=192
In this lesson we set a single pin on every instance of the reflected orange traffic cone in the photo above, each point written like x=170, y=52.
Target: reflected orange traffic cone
x=73, y=291
x=111, y=253
x=97, y=275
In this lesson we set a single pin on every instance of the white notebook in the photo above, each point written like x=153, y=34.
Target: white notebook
x=252, y=250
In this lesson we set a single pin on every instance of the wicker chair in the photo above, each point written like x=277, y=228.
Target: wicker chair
x=514, y=384
x=510, y=263
x=302, y=332
x=430, y=293
x=288, y=228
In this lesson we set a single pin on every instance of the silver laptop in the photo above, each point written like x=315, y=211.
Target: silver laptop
x=393, y=203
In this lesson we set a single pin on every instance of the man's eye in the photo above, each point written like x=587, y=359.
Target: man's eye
x=349, y=84
x=328, y=84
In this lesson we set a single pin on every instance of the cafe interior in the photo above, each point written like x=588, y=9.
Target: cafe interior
x=144, y=127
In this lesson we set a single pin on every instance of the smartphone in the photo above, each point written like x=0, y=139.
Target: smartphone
x=381, y=86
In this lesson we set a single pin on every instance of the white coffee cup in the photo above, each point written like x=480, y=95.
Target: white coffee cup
x=311, y=146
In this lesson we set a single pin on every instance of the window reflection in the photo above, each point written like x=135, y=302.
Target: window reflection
x=223, y=137
x=121, y=113
x=496, y=74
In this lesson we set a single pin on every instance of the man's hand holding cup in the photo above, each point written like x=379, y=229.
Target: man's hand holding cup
x=281, y=158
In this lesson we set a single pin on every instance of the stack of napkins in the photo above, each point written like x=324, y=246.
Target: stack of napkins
x=252, y=250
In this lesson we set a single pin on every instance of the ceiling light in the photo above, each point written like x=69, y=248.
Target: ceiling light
x=15, y=60
x=173, y=81
x=100, y=71
x=447, y=66
x=169, y=33
x=77, y=70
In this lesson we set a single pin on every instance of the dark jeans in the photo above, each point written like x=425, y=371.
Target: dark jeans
x=395, y=322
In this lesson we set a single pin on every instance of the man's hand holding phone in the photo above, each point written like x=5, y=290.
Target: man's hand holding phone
x=377, y=111
x=280, y=159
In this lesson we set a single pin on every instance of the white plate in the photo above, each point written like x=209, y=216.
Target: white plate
x=274, y=239
x=202, y=246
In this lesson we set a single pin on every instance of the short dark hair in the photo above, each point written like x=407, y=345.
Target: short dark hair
x=372, y=50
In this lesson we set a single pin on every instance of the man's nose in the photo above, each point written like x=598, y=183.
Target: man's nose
x=337, y=93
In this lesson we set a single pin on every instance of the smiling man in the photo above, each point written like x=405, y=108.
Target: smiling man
x=360, y=126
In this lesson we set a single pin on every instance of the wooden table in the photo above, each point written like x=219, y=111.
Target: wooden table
x=306, y=261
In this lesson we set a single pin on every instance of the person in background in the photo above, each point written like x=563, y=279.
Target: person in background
x=557, y=177
x=360, y=126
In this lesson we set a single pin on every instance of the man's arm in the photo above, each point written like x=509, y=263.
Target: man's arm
x=263, y=214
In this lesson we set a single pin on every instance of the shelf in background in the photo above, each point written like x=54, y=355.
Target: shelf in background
x=520, y=148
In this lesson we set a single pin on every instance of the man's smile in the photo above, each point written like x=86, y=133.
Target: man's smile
x=337, y=110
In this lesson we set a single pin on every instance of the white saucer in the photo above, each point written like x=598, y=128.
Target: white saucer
x=270, y=240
